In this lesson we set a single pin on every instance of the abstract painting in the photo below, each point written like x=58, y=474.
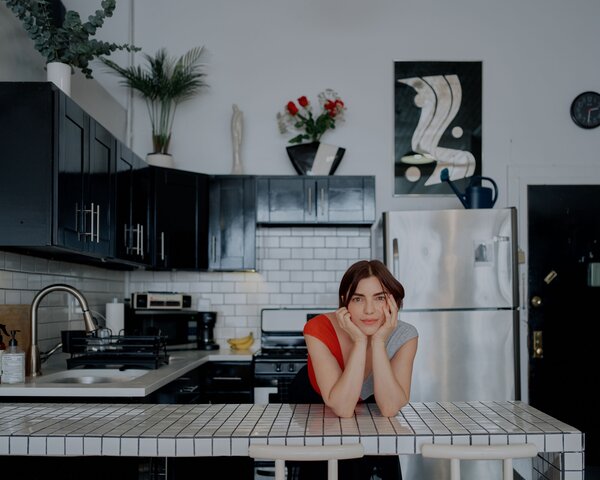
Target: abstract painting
x=437, y=119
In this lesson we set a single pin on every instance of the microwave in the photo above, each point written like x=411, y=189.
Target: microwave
x=179, y=326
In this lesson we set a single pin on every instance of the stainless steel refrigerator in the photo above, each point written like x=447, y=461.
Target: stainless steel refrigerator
x=459, y=271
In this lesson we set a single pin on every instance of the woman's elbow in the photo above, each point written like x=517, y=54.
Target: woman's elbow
x=344, y=413
x=389, y=412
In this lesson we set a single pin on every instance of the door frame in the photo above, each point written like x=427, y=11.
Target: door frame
x=519, y=178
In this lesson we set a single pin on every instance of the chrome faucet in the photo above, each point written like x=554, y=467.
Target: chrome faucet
x=88, y=320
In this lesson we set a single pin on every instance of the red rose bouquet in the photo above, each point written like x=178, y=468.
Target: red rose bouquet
x=300, y=116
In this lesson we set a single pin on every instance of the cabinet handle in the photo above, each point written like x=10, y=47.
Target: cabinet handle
x=141, y=228
x=97, y=224
x=310, y=200
x=136, y=250
x=92, y=222
x=322, y=201
x=84, y=233
x=162, y=245
x=232, y=379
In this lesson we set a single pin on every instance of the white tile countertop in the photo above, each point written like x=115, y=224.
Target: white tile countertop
x=180, y=362
x=149, y=430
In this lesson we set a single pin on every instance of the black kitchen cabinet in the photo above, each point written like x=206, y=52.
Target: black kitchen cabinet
x=56, y=183
x=179, y=238
x=226, y=382
x=232, y=223
x=132, y=207
x=329, y=200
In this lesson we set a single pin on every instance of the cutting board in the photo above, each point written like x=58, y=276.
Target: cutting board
x=16, y=317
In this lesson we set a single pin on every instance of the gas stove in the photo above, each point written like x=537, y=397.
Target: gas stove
x=283, y=352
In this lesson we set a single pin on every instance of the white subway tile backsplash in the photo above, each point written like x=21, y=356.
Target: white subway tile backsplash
x=290, y=242
x=303, y=253
x=314, y=242
x=235, y=298
x=280, y=253
x=313, y=264
x=278, y=276
x=336, y=242
x=297, y=267
x=291, y=265
x=301, y=276
x=281, y=300
x=267, y=264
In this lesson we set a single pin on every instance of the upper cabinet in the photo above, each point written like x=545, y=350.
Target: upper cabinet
x=179, y=223
x=56, y=184
x=331, y=200
x=232, y=223
x=132, y=208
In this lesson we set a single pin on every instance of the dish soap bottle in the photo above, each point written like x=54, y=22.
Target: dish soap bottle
x=13, y=361
x=2, y=346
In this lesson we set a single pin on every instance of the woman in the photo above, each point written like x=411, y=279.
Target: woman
x=360, y=352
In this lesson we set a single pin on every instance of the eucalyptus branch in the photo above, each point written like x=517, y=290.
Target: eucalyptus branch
x=71, y=42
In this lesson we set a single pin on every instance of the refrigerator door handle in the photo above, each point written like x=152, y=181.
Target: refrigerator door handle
x=396, y=258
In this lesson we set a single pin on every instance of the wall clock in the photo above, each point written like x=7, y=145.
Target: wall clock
x=585, y=110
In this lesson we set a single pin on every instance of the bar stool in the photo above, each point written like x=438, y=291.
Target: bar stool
x=456, y=453
x=331, y=453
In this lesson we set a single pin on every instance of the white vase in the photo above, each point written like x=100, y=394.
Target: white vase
x=60, y=75
x=160, y=160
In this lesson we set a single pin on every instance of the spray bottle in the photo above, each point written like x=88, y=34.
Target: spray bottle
x=2, y=346
x=13, y=361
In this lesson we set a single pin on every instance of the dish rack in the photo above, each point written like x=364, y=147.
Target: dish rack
x=118, y=351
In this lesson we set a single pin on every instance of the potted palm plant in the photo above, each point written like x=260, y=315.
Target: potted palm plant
x=62, y=38
x=164, y=82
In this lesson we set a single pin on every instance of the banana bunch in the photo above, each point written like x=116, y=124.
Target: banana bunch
x=241, y=343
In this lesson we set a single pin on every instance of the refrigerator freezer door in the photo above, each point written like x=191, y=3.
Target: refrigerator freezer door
x=453, y=259
x=464, y=355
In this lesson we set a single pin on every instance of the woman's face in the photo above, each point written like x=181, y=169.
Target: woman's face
x=367, y=305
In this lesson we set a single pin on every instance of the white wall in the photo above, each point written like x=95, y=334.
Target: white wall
x=537, y=56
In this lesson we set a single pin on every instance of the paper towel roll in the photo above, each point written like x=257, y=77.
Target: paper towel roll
x=115, y=317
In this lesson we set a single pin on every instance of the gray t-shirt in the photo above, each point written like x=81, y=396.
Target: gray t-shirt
x=403, y=333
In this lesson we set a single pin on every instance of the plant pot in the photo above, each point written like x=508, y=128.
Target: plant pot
x=160, y=160
x=315, y=158
x=60, y=75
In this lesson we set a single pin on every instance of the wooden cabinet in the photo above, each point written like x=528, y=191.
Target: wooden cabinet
x=56, y=184
x=316, y=200
x=232, y=223
x=132, y=208
x=179, y=222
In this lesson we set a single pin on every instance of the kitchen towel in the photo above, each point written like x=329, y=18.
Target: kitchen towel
x=115, y=316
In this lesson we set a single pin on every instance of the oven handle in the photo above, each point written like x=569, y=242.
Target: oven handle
x=237, y=379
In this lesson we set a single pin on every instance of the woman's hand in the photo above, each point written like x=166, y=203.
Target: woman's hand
x=345, y=322
x=390, y=313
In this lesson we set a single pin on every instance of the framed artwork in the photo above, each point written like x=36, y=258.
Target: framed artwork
x=437, y=125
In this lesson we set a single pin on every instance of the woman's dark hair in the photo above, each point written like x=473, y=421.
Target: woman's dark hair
x=365, y=269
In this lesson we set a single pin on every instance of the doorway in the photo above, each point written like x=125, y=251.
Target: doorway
x=564, y=307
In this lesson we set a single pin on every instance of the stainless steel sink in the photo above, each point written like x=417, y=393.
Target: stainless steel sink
x=93, y=376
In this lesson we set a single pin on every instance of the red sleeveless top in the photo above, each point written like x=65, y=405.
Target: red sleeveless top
x=321, y=328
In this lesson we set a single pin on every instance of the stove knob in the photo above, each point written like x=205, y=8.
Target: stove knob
x=291, y=368
x=278, y=367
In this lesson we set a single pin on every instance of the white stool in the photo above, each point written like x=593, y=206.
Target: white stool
x=331, y=453
x=456, y=453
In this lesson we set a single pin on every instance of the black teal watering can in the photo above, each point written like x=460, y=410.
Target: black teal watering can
x=475, y=195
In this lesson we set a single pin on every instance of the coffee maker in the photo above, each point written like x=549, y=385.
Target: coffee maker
x=205, y=334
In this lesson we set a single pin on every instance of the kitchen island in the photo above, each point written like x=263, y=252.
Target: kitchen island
x=169, y=431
